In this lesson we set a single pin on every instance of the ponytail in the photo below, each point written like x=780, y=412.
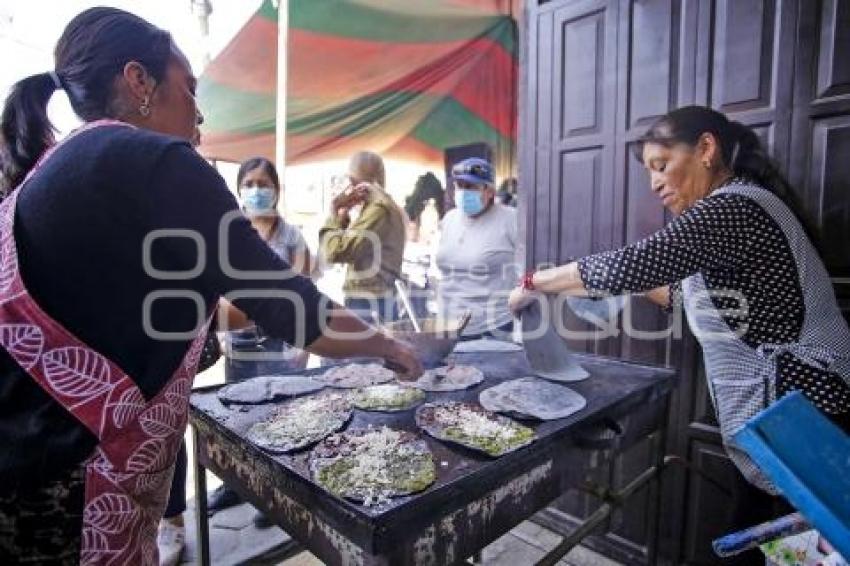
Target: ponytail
x=26, y=129
x=92, y=52
x=748, y=159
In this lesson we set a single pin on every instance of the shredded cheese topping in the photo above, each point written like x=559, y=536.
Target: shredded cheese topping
x=373, y=458
x=304, y=419
x=384, y=393
x=473, y=423
x=358, y=375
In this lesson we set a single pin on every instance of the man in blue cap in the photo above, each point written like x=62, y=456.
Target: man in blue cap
x=477, y=253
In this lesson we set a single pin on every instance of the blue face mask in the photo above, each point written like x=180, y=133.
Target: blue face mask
x=469, y=202
x=257, y=201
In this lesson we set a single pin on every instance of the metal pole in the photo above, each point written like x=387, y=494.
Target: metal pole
x=280, y=112
x=202, y=526
x=660, y=451
x=613, y=501
x=202, y=9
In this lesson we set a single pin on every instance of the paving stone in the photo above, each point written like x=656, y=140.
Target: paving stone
x=302, y=559
x=582, y=556
x=236, y=518
x=541, y=538
x=229, y=545
x=528, y=529
x=510, y=550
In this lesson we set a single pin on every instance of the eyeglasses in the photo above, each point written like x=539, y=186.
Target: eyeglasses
x=477, y=169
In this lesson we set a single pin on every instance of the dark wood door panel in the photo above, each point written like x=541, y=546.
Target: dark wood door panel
x=828, y=189
x=748, y=73
x=582, y=53
x=833, y=63
x=647, y=329
x=821, y=123
x=744, y=37
x=649, y=67
x=581, y=187
x=708, y=507
x=653, y=60
x=586, y=33
x=604, y=71
x=539, y=135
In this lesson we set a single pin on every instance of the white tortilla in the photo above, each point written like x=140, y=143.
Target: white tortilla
x=386, y=397
x=301, y=422
x=267, y=388
x=547, y=353
x=486, y=345
x=373, y=465
x=352, y=376
x=450, y=378
x=532, y=397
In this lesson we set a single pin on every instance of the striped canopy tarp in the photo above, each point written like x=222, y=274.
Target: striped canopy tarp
x=405, y=78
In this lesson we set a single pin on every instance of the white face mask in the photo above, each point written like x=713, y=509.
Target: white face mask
x=258, y=201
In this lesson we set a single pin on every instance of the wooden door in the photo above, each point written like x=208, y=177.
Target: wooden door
x=742, y=60
x=775, y=65
x=574, y=73
x=821, y=131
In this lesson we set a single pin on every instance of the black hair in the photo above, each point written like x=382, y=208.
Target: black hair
x=740, y=150
x=507, y=192
x=93, y=50
x=427, y=187
x=254, y=163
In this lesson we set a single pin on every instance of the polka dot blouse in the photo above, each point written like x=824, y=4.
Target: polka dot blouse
x=736, y=245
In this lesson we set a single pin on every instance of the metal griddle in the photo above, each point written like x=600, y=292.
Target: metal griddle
x=475, y=499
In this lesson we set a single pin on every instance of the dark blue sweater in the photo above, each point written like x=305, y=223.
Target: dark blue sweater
x=80, y=226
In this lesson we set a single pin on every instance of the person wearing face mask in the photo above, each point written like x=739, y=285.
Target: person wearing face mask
x=476, y=255
x=248, y=351
x=740, y=260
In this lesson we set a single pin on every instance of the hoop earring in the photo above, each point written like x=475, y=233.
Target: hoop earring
x=145, y=107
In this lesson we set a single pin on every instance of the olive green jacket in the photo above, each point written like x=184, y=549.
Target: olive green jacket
x=372, y=246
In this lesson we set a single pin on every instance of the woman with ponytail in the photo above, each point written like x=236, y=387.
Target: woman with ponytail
x=115, y=246
x=755, y=291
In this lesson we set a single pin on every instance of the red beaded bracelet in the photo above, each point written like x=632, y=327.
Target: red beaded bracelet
x=528, y=281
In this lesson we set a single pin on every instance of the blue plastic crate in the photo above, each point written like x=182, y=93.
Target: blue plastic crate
x=808, y=458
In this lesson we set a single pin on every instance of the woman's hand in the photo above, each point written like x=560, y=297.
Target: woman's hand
x=350, y=197
x=347, y=335
x=520, y=298
x=401, y=358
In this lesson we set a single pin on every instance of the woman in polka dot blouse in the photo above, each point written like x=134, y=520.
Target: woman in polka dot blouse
x=754, y=289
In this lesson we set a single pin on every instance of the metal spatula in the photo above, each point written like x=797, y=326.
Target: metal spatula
x=546, y=351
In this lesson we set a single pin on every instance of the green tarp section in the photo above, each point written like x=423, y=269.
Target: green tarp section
x=405, y=78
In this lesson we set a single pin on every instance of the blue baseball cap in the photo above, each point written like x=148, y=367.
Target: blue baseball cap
x=473, y=170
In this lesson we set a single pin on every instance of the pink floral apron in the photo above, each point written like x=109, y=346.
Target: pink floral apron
x=128, y=476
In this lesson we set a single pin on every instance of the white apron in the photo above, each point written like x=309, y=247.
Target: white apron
x=742, y=380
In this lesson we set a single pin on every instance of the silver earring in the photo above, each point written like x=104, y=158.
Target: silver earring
x=145, y=107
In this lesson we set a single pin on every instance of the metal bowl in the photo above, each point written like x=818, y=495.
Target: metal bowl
x=433, y=344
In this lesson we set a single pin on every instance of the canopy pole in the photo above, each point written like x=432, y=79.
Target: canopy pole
x=280, y=107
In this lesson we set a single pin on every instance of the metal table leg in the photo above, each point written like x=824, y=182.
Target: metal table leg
x=660, y=462
x=202, y=525
x=611, y=500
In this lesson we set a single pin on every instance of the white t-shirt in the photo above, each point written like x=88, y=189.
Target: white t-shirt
x=287, y=239
x=478, y=266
